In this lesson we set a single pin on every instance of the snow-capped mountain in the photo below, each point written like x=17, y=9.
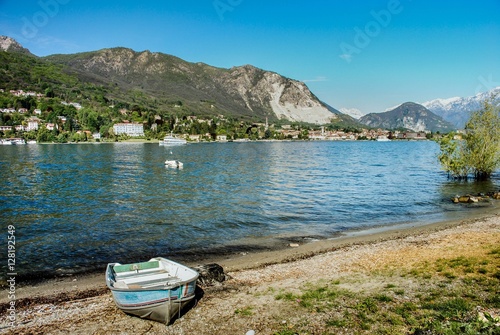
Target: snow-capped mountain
x=352, y=112
x=457, y=110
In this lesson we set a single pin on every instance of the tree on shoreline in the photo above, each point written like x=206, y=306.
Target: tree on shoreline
x=479, y=153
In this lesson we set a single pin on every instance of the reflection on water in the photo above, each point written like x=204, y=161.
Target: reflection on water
x=76, y=207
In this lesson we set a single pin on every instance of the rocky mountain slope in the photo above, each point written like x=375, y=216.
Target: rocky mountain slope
x=410, y=116
x=244, y=90
x=457, y=110
x=11, y=45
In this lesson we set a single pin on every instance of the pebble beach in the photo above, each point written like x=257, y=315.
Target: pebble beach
x=247, y=301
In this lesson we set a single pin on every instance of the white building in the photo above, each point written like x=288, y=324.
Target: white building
x=51, y=126
x=131, y=129
x=76, y=105
x=33, y=123
x=222, y=138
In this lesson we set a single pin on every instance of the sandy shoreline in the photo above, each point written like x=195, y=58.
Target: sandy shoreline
x=57, y=300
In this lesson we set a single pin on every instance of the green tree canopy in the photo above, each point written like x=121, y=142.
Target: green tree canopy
x=479, y=153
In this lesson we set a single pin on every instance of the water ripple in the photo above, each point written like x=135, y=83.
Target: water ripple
x=86, y=205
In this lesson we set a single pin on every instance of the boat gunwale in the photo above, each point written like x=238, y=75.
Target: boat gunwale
x=111, y=278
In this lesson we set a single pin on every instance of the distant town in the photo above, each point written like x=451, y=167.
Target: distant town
x=32, y=124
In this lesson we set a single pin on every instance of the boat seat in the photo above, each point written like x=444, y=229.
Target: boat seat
x=151, y=282
x=131, y=274
x=137, y=269
x=172, y=282
x=119, y=268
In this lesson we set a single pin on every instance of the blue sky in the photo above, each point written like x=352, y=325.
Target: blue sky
x=369, y=55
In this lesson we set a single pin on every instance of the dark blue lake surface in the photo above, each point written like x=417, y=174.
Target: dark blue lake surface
x=77, y=207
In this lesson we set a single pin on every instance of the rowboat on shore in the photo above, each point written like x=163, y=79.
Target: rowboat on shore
x=157, y=289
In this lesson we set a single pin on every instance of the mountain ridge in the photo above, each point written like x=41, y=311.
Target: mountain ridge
x=457, y=109
x=243, y=90
x=161, y=82
x=409, y=115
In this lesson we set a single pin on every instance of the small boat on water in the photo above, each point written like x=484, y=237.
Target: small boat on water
x=383, y=139
x=13, y=141
x=157, y=289
x=174, y=164
x=171, y=140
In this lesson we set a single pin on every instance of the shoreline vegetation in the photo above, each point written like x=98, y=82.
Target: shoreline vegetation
x=438, y=278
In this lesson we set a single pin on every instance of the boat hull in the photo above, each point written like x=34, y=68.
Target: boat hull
x=158, y=305
x=172, y=144
x=174, y=164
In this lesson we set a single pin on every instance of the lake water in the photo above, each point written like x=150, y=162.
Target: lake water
x=77, y=207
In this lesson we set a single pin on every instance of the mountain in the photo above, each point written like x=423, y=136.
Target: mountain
x=410, y=116
x=203, y=89
x=21, y=70
x=457, y=110
x=160, y=82
x=10, y=45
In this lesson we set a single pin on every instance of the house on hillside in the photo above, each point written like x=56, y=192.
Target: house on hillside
x=5, y=128
x=33, y=123
x=194, y=138
x=51, y=126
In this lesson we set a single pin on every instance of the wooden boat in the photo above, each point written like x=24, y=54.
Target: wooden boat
x=157, y=289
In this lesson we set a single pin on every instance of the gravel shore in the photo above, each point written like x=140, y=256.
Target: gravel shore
x=247, y=300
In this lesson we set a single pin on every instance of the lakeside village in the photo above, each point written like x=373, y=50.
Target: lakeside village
x=52, y=120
